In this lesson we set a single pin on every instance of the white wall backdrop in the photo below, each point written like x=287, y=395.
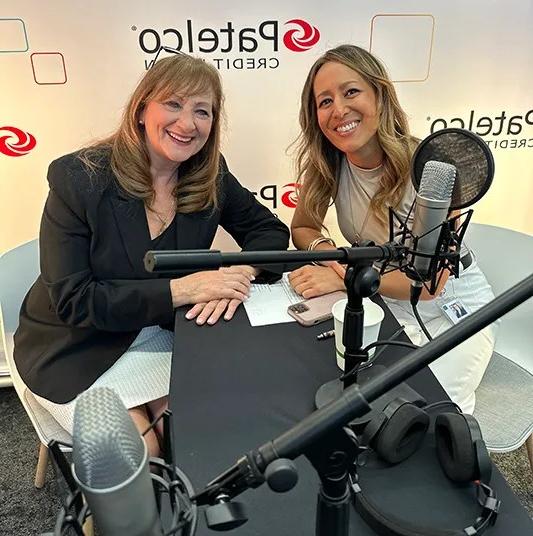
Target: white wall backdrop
x=68, y=66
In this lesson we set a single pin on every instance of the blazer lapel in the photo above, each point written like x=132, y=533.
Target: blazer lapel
x=133, y=227
x=196, y=230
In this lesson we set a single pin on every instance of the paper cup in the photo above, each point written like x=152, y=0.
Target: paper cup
x=373, y=316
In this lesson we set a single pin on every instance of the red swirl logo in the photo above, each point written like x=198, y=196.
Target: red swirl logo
x=17, y=142
x=302, y=38
x=290, y=198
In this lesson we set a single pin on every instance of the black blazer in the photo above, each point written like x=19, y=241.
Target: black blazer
x=93, y=295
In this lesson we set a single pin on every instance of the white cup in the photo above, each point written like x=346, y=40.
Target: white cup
x=373, y=316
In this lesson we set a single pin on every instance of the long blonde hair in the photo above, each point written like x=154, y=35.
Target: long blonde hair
x=318, y=160
x=196, y=188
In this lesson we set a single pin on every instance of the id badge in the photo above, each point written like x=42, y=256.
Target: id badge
x=454, y=309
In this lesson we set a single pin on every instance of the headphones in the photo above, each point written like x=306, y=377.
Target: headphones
x=398, y=431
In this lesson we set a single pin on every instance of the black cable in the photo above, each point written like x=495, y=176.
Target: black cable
x=153, y=423
x=443, y=403
x=420, y=323
x=394, y=336
x=370, y=362
x=392, y=343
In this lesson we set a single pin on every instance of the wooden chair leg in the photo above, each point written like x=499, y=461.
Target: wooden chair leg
x=42, y=462
x=529, y=447
x=88, y=529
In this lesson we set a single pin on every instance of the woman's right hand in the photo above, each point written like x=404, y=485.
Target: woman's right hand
x=203, y=287
x=312, y=281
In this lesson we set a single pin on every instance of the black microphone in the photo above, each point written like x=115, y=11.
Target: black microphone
x=432, y=206
x=110, y=464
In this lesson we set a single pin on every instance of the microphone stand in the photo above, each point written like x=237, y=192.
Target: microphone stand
x=361, y=281
x=333, y=504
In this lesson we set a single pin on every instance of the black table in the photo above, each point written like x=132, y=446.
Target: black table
x=235, y=387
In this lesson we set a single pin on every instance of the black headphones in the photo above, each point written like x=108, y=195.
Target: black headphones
x=398, y=431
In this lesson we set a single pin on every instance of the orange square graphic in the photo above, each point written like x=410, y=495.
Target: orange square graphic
x=48, y=68
x=13, y=36
x=404, y=42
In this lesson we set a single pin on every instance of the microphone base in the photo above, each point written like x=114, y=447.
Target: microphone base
x=332, y=390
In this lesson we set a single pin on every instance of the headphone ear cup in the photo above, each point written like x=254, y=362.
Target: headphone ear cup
x=455, y=448
x=402, y=434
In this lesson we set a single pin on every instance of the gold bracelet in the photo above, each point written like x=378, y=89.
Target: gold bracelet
x=314, y=244
x=320, y=240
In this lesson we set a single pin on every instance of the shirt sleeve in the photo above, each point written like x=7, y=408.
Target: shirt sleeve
x=251, y=224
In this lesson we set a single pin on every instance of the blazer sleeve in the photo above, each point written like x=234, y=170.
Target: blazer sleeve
x=78, y=298
x=249, y=222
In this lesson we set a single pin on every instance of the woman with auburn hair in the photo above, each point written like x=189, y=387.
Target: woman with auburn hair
x=355, y=149
x=93, y=316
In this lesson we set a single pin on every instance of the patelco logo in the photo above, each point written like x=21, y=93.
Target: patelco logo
x=270, y=193
x=302, y=38
x=290, y=198
x=228, y=44
x=17, y=142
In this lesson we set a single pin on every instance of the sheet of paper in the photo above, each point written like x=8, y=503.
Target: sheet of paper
x=268, y=304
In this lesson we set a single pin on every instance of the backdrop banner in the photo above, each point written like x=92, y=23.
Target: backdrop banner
x=69, y=66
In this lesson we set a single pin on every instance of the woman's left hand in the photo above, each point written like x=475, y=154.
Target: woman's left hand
x=311, y=281
x=211, y=311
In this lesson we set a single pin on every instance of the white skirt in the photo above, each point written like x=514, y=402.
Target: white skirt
x=140, y=375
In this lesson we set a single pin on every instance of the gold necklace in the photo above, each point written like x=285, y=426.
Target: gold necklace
x=164, y=219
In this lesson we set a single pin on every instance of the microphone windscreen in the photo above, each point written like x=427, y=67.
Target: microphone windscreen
x=437, y=181
x=468, y=153
x=107, y=448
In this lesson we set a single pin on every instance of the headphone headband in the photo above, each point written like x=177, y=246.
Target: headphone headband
x=462, y=454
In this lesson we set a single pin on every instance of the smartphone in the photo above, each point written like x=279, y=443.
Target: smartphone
x=315, y=310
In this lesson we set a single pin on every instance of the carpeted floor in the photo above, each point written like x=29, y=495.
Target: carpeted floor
x=25, y=510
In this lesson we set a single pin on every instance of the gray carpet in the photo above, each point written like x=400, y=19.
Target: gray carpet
x=25, y=510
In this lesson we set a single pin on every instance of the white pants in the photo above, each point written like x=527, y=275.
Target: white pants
x=460, y=370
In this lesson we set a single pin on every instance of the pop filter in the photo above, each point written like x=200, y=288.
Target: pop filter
x=468, y=153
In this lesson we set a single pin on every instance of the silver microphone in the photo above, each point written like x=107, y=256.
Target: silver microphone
x=432, y=205
x=110, y=464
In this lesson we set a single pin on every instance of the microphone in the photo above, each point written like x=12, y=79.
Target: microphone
x=110, y=464
x=432, y=206
x=469, y=154
x=450, y=158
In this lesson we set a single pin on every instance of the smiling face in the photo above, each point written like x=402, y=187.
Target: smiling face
x=176, y=128
x=347, y=113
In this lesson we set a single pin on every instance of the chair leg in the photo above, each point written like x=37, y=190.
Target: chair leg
x=42, y=462
x=529, y=447
x=88, y=528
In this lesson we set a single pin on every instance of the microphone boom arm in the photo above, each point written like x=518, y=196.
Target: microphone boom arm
x=211, y=259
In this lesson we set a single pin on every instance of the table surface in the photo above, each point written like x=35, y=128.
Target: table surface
x=234, y=387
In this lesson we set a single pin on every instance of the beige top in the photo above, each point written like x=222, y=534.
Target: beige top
x=356, y=188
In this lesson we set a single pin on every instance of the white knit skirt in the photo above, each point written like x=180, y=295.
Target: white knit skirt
x=140, y=375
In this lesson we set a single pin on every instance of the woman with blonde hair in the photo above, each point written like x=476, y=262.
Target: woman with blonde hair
x=355, y=149
x=93, y=316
